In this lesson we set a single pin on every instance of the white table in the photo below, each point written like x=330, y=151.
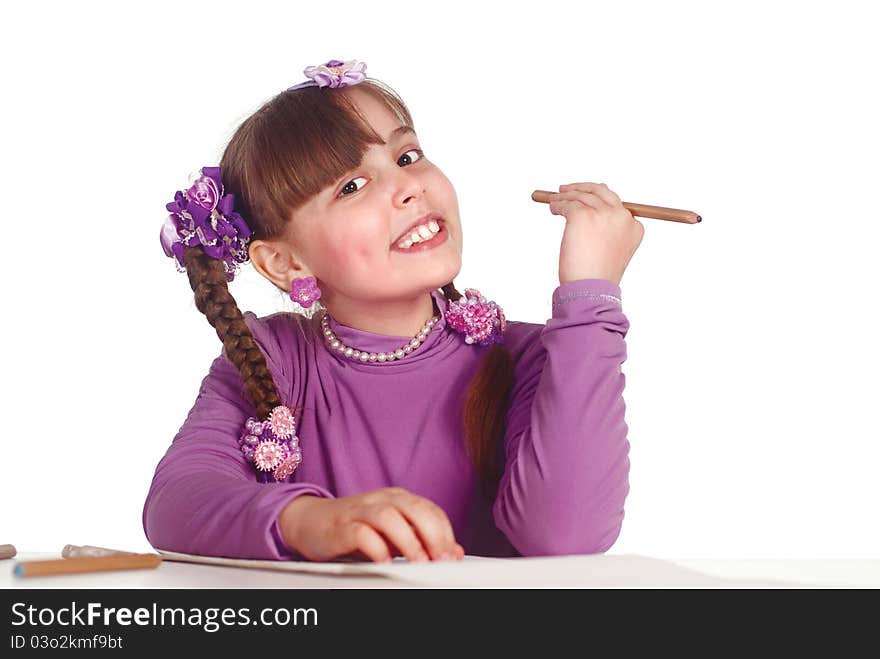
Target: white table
x=594, y=571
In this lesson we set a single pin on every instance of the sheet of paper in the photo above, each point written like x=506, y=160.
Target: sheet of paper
x=581, y=571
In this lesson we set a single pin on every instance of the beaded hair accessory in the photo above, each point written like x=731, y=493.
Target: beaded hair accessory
x=272, y=446
x=480, y=320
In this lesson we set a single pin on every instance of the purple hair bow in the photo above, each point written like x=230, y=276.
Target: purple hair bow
x=334, y=73
x=204, y=216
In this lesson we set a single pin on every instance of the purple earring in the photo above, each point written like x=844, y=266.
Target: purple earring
x=304, y=291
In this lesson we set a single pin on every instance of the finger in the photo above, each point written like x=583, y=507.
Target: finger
x=599, y=189
x=570, y=208
x=586, y=198
x=431, y=524
x=390, y=522
x=362, y=537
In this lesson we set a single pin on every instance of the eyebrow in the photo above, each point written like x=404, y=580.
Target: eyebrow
x=400, y=130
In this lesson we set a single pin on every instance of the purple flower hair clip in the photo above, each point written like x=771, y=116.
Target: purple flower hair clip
x=480, y=320
x=204, y=216
x=272, y=446
x=334, y=73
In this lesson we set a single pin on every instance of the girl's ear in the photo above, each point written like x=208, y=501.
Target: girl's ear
x=276, y=262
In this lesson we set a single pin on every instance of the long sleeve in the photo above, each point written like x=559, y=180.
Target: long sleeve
x=566, y=449
x=204, y=498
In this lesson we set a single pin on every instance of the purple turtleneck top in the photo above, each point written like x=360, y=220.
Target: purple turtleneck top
x=363, y=426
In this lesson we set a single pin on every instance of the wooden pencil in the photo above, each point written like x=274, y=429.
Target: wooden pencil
x=640, y=210
x=87, y=564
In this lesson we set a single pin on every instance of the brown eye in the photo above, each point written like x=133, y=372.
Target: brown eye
x=405, y=155
x=348, y=186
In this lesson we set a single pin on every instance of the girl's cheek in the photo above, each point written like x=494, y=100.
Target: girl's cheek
x=344, y=254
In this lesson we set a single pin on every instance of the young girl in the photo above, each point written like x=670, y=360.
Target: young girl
x=395, y=417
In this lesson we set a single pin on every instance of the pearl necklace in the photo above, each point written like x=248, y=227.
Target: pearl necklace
x=364, y=356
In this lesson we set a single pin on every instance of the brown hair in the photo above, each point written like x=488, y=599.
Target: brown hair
x=321, y=131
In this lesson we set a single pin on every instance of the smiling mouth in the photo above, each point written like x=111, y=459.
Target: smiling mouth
x=419, y=234
x=425, y=243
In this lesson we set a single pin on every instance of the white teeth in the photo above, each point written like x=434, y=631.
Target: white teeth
x=420, y=233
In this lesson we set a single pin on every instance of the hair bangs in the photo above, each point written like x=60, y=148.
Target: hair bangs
x=295, y=146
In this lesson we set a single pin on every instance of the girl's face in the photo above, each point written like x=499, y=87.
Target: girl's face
x=346, y=236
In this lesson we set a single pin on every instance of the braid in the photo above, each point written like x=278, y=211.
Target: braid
x=485, y=407
x=451, y=292
x=208, y=281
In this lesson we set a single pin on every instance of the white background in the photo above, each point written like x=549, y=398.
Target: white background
x=752, y=355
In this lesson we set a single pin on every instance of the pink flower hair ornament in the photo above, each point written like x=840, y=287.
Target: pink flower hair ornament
x=480, y=320
x=334, y=73
x=272, y=446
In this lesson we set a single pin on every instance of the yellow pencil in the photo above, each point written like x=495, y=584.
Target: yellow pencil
x=87, y=564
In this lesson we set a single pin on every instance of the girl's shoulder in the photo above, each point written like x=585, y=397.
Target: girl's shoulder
x=282, y=327
x=520, y=336
x=517, y=330
x=282, y=336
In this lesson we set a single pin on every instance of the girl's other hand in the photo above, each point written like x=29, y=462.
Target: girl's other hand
x=378, y=524
x=600, y=235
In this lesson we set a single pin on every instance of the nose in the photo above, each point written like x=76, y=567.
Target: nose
x=407, y=188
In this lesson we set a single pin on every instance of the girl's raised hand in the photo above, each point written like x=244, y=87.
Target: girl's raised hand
x=378, y=524
x=600, y=235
